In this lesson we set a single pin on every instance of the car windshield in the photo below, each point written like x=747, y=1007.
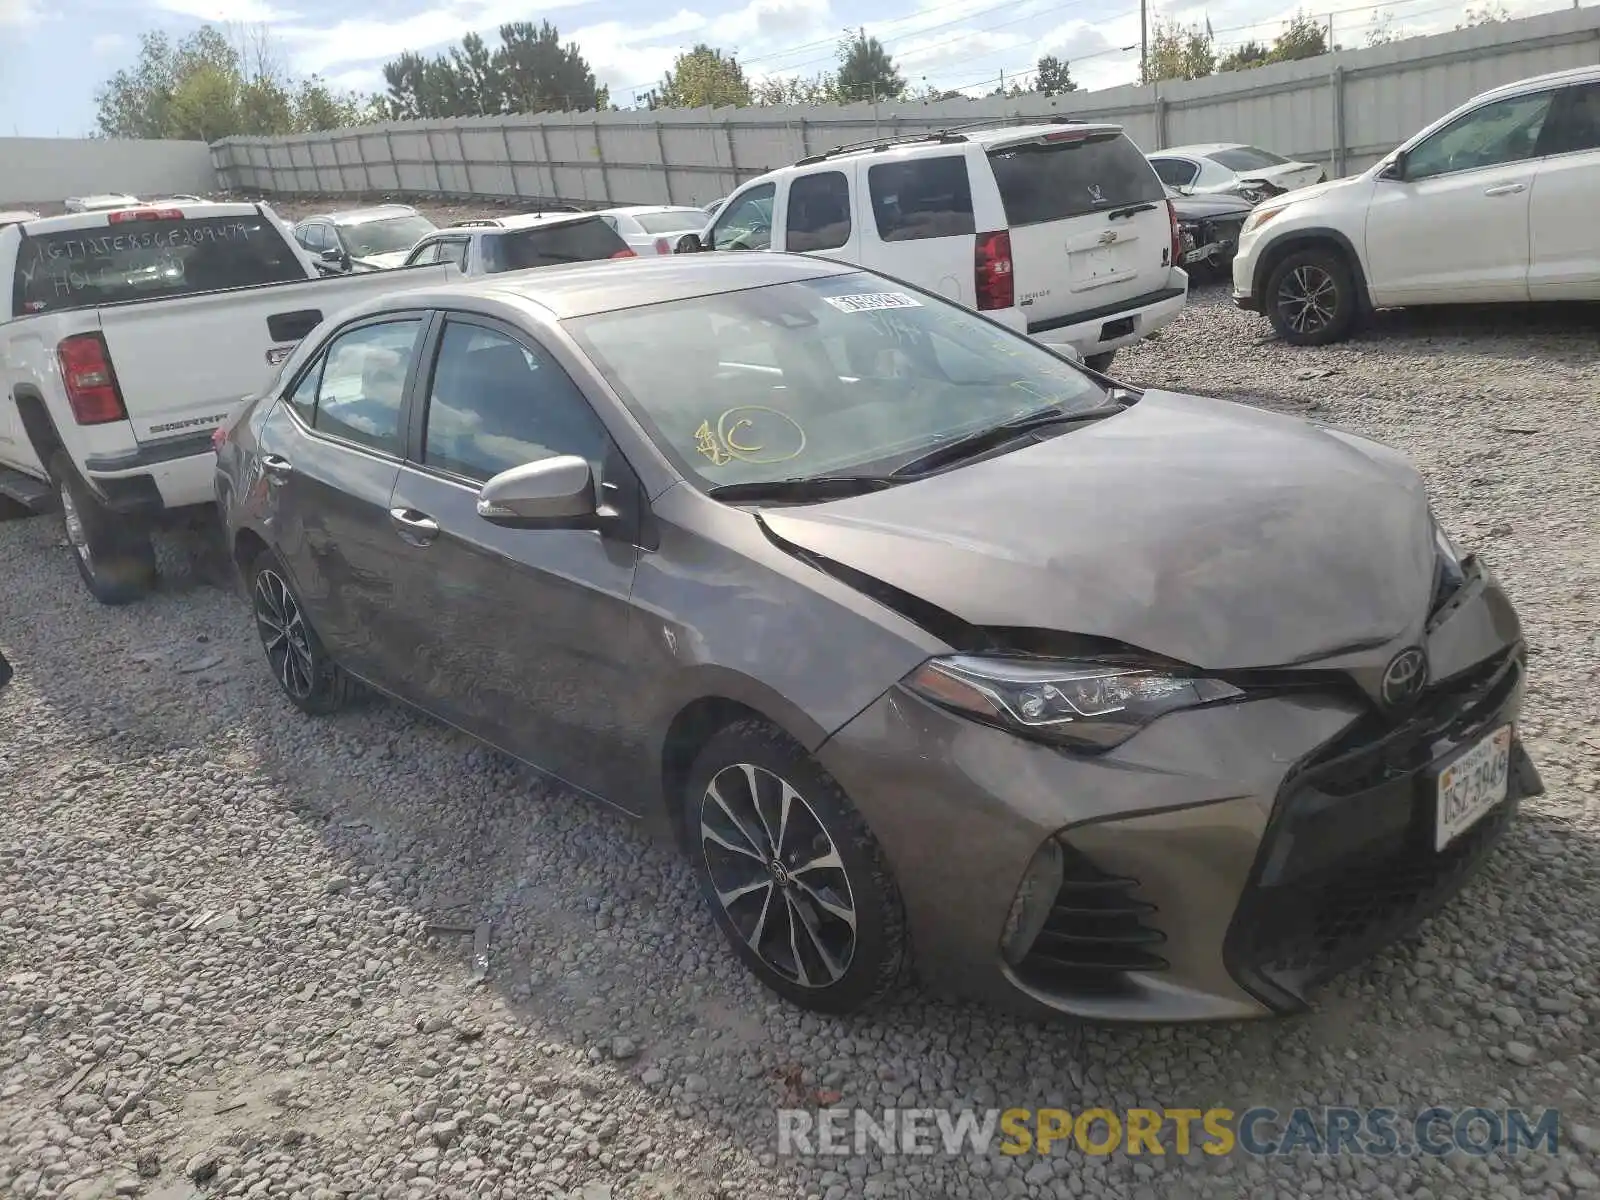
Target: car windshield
x=679, y=221
x=821, y=376
x=1246, y=158
x=388, y=236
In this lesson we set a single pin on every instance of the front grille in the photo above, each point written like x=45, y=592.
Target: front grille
x=1347, y=863
x=1099, y=929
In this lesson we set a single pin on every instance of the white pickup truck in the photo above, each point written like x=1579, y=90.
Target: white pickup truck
x=129, y=337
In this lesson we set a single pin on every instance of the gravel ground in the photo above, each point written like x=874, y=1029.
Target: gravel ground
x=217, y=975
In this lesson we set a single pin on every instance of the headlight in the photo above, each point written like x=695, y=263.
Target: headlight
x=1448, y=572
x=1086, y=705
x=1259, y=217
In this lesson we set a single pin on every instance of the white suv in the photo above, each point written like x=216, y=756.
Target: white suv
x=1494, y=202
x=1061, y=231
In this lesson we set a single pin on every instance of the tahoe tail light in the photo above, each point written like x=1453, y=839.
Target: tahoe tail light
x=1177, y=236
x=219, y=438
x=145, y=214
x=90, y=382
x=992, y=279
x=625, y=253
x=663, y=246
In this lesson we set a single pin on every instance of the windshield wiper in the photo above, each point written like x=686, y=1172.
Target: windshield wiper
x=980, y=440
x=807, y=487
x=1131, y=210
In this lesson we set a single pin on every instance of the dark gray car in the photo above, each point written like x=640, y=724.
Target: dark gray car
x=912, y=633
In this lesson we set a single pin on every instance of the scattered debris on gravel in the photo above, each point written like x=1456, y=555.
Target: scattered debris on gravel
x=244, y=953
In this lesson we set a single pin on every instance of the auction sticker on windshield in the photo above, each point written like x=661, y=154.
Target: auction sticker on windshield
x=873, y=301
x=1472, y=785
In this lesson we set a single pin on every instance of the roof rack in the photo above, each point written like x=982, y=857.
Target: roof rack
x=479, y=223
x=950, y=135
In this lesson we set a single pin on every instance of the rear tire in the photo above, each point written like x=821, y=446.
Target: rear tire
x=1100, y=362
x=1311, y=298
x=299, y=662
x=115, y=558
x=791, y=873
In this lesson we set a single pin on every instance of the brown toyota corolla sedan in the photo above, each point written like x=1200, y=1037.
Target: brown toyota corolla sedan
x=928, y=646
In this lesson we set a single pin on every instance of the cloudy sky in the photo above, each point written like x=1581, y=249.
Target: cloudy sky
x=55, y=53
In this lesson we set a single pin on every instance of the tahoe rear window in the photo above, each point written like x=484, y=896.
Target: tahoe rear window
x=1051, y=181
x=149, y=260
x=551, y=245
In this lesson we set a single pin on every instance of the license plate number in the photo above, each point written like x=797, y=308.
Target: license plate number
x=1472, y=785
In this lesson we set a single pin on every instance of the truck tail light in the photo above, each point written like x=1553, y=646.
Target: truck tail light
x=993, y=283
x=219, y=439
x=90, y=381
x=663, y=246
x=145, y=214
x=1177, y=236
x=625, y=253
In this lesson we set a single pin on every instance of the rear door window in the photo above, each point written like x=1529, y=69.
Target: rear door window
x=149, y=260
x=1175, y=172
x=1072, y=176
x=819, y=212
x=361, y=386
x=551, y=245
x=1574, y=122
x=922, y=198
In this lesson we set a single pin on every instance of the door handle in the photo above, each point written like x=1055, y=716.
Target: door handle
x=417, y=528
x=277, y=466
x=1505, y=189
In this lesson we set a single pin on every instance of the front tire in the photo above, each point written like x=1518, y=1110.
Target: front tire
x=114, y=558
x=299, y=662
x=791, y=873
x=1311, y=298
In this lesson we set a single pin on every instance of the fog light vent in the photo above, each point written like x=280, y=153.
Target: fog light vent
x=1097, y=930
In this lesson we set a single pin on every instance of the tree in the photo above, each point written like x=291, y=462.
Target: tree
x=866, y=72
x=1178, y=52
x=1492, y=12
x=1053, y=76
x=1381, y=29
x=209, y=86
x=775, y=91
x=1302, y=37
x=529, y=71
x=703, y=78
x=1242, y=58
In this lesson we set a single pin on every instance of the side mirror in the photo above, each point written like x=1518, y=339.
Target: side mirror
x=1396, y=170
x=5, y=671
x=336, y=257
x=553, y=493
x=689, y=243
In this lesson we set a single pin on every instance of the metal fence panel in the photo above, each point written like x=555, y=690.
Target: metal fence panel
x=1346, y=109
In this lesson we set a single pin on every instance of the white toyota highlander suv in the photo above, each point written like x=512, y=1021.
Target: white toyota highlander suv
x=1496, y=202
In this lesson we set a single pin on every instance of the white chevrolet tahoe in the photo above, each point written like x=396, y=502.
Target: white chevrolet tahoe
x=1495, y=202
x=1060, y=231
x=130, y=336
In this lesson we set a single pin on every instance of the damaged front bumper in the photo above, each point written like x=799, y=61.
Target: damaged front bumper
x=1218, y=865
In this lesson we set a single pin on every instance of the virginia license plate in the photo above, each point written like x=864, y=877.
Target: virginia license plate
x=1472, y=785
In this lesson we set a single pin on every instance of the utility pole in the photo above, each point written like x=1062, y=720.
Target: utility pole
x=1144, y=37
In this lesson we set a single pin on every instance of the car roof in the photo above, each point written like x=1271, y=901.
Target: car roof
x=101, y=217
x=941, y=141
x=1201, y=149
x=634, y=210
x=1537, y=83
x=583, y=289
x=360, y=216
x=515, y=221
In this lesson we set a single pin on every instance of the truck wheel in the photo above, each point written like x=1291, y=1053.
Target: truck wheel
x=116, y=560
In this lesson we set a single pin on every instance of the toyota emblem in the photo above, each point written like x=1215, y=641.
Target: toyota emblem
x=1404, y=678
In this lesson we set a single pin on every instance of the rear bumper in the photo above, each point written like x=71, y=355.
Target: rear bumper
x=1098, y=330
x=134, y=485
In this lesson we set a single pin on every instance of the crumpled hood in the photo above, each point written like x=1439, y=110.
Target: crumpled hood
x=1209, y=532
x=382, y=262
